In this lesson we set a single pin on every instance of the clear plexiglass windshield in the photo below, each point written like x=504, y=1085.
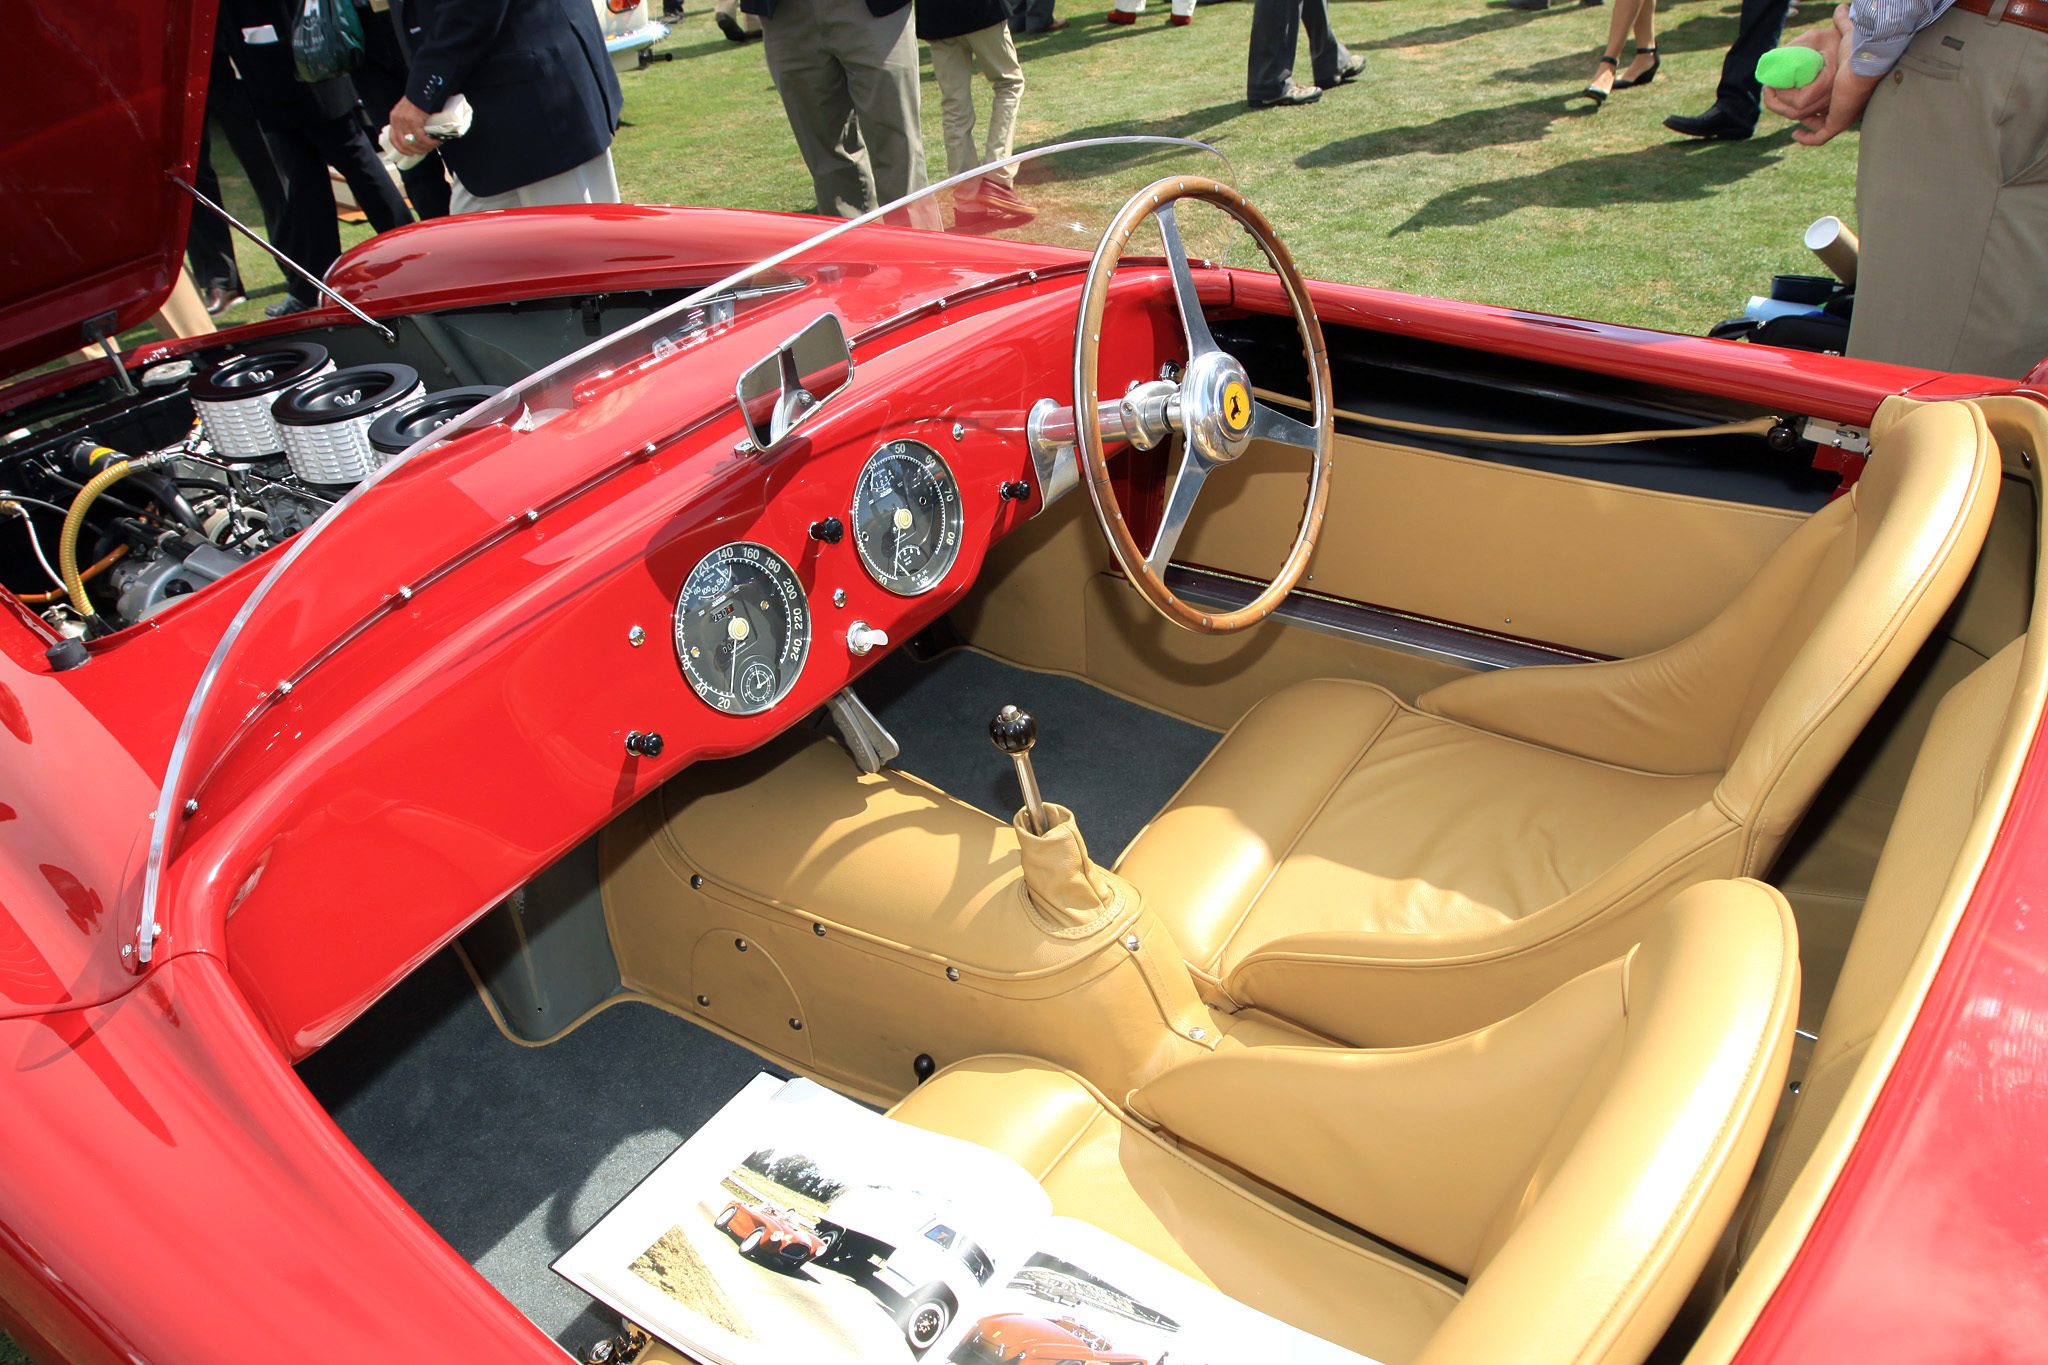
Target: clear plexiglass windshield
x=1076, y=187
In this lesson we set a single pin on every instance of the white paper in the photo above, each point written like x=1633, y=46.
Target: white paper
x=259, y=35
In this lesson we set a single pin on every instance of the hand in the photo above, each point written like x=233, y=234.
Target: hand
x=1808, y=103
x=409, y=133
x=1845, y=109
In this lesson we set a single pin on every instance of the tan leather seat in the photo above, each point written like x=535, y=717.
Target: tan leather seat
x=1574, y=1162
x=1340, y=846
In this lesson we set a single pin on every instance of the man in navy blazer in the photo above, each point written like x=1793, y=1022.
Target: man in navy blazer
x=847, y=74
x=541, y=87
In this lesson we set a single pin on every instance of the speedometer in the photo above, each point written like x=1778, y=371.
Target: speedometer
x=742, y=628
x=906, y=517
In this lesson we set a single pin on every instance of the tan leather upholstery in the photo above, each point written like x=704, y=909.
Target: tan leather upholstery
x=1576, y=1160
x=1339, y=846
x=1935, y=814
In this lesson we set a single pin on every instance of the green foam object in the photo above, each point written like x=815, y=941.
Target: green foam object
x=1788, y=68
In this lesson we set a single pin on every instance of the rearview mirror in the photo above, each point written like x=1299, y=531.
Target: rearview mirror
x=781, y=391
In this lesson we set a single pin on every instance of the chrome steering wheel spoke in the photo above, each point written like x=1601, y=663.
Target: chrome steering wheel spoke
x=1193, y=325
x=1180, y=503
x=1270, y=424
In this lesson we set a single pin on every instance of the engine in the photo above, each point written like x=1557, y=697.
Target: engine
x=272, y=439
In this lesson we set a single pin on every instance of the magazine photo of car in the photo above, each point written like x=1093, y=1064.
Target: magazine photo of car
x=799, y=1225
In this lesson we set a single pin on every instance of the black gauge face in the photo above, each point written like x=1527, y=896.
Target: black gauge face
x=742, y=628
x=906, y=517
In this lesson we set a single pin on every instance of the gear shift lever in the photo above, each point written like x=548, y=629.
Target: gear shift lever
x=1014, y=732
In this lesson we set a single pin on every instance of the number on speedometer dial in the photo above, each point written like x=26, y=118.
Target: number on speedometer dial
x=742, y=628
x=906, y=517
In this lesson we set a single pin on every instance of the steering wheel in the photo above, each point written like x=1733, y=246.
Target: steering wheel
x=1211, y=406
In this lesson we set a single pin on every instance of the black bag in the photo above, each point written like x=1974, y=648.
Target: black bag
x=327, y=40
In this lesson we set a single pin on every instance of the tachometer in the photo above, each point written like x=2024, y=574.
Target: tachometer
x=742, y=628
x=906, y=517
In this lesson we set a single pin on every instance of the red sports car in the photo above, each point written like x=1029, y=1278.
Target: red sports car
x=1019, y=1339
x=768, y=1234
x=1533, y=848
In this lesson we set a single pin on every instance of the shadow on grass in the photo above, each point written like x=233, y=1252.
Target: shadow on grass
x=1701, y=33
x=1673, y=172
x=1497, y=19
x=1500, y=126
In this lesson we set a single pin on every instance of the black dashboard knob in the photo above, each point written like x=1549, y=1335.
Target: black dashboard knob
x=831, y=530
x=1015, y=491
x=646, y=745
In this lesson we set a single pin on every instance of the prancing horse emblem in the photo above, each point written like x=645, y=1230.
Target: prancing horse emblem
x=1237, y=407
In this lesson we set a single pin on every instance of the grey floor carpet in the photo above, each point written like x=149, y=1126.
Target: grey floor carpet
x=512, y=1153
x=1113, y=762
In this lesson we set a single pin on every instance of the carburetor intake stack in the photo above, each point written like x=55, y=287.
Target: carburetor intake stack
x=326, y=420
x=233, y=400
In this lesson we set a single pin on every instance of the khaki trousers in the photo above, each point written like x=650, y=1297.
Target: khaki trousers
x=953, y=62
x=849, y=84
x=1952, y=203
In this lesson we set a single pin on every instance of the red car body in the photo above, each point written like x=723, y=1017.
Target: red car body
x=171, y=1192
x=784, y=1241
x=1019, y=1339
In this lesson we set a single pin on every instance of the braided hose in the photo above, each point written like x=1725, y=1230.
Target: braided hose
x=74, y=522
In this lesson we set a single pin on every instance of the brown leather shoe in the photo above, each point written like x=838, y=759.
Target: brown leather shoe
x=1054, y=27
x=218, y=300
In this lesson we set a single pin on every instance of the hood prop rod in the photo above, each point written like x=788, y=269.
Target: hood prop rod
x=287, y=262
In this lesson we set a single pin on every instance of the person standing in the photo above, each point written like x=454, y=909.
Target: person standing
x=543, y=95
x=1951, y=176
x=381, y=82
x=961, y=33
x=308, y=128
x=738, y=28
x=1180, y=13
x=1738, y=100
x=1269, y=66
x=1608, y=76
x=1034, y=16
x=847, y=74
x=209, y=242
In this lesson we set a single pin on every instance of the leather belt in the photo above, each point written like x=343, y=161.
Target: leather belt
x=2026, y=13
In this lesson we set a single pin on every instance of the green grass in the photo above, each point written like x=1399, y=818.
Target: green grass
x=1456, y=167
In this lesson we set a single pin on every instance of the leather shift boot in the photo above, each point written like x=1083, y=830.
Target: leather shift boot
x=1066, y=892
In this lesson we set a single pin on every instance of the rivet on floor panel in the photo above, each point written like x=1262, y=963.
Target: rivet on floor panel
x=696, y=882
x=952, y=973
x=740, y=944
x=797, y=1024
x=818, y=929
x=703, y=1002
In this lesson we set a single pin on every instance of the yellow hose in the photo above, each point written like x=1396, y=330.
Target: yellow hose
x=74, y=521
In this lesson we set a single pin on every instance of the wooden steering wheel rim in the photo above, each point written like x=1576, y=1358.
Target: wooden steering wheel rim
x=1088, y=445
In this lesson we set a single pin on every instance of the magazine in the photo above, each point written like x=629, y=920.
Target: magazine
x=799, y=1226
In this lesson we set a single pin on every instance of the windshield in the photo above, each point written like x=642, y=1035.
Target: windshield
x=328, y=583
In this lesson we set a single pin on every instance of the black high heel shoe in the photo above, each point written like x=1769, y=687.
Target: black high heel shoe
x=1625, y=83
x=1594, y=92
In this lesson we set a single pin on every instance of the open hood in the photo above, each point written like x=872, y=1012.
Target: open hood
x=102, y=102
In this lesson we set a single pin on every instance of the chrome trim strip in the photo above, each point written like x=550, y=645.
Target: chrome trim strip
x=1417, y=635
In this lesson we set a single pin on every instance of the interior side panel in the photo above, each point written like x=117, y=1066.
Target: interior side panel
x=1590, y=565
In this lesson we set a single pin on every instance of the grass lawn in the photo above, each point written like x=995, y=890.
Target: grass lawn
x=1458, y=166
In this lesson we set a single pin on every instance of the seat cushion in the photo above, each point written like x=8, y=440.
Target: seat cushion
x=1103, y=1169
x=1332, y=806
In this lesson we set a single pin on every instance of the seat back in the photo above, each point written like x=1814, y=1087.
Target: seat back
x=1773, y=690
x=1577, y=1160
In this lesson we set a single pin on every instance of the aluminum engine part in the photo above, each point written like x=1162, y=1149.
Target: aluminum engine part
x=146, y=584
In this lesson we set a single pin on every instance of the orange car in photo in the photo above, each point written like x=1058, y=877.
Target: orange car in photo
x=1016, y=1339
x=768, y=1234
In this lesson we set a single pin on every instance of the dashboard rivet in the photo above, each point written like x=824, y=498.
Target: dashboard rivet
x=636, y=637
x=838, y=597
x=696, y=881
x=952, y=973
x=959, y=431
x=818, y=929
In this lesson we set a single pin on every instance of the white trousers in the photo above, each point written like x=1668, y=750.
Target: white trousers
x=594, y=182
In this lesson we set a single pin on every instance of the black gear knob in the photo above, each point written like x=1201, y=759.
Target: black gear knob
x=1013, y=731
